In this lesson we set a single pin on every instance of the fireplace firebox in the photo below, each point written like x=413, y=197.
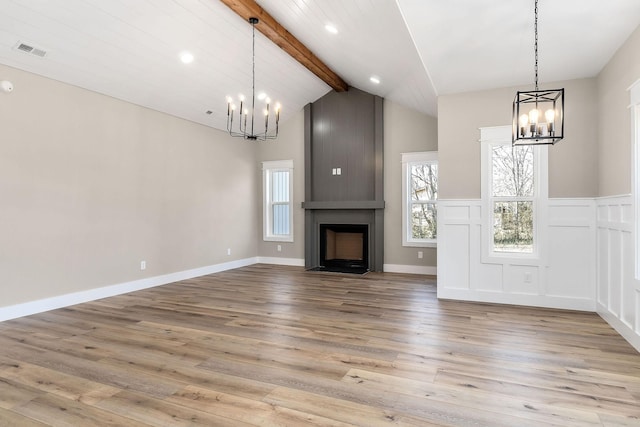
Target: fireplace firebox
x=344, y=247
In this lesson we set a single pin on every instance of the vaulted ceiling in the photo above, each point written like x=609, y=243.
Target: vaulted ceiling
x=418, y=49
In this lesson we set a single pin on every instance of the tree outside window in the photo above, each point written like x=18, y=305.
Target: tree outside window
x=513, y=193
x=424, y=193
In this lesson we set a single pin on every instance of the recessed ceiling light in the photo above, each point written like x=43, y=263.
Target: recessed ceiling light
x=374, y=79
x=331, y=28
x=261, y=96
x=186, y=57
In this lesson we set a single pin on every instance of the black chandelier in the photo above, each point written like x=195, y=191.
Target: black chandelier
x=245, y=128
x=538, y=115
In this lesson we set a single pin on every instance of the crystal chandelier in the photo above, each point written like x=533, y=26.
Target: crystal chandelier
x=538, y=115
x=247, y=114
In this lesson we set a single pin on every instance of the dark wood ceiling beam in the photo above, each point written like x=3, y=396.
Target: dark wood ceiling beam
x=286, y=41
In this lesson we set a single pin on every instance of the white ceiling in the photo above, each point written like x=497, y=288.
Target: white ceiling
x=129, y=49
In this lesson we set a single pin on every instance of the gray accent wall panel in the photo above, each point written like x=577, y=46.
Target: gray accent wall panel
x=342, y=135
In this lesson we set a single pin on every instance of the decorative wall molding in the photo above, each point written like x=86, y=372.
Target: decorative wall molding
x=46, y=304
x=564, y=279
x=618, y=292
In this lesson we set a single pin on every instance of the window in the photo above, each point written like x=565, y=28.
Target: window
x=513, y=191
x=277, y=207
x=512, y=197
x=419, y=198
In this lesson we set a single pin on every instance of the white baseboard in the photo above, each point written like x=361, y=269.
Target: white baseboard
x=623, y=329
x=410, y=269
x=546, y=301
x=295, y=262
x=46, y=304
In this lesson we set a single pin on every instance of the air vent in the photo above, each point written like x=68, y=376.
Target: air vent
x=27, y=48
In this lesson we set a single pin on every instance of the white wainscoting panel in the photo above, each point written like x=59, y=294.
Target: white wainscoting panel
x=618, y=292
x=572, y=249
x=565, y=278
x=456, y=247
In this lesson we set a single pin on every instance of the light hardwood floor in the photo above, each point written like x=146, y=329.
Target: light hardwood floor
x=278, y=346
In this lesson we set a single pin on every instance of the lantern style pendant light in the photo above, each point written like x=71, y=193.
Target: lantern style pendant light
x=538, y=115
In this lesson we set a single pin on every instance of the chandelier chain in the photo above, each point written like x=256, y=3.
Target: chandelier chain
x=253, y=74
x=535, y=30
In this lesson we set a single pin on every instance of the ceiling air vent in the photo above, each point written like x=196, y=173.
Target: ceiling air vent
x=27, y=48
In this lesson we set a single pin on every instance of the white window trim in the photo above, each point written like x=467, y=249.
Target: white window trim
x=268, y=167
x=501, y=135
x=634, y=107
x=409, y=159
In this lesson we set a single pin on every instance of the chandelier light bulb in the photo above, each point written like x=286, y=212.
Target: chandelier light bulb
x=241, y=97
x=267, y=100
x=524, y=120
x=533, y=116
x=550, y=115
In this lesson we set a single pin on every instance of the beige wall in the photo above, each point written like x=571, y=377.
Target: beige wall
x=614, y=132
x=572, y=161
x=288, y=146
x=405, y=131
x=90, y=186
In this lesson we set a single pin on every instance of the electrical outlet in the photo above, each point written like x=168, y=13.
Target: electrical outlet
x=143, y=265
x=420, y=254
x=228, y=251
x=279, y=248
x=527, y=277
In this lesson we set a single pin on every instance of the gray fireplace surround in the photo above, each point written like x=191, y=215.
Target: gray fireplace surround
x=343, y=139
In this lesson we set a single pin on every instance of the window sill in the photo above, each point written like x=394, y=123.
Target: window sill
x=278, y=239
x=512, y=258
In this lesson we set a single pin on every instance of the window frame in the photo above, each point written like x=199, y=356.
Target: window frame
x=501, y=135
x=634, y=107
x=408, y=160
x=268, y=168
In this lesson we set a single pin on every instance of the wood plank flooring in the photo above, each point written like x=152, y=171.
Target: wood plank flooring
x=278, y=346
